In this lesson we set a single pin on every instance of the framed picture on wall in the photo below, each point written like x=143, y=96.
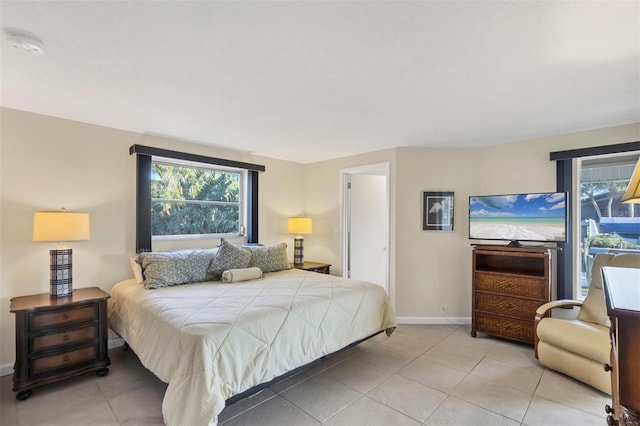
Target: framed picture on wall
x=437, y=211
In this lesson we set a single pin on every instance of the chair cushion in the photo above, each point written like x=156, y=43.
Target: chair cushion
x=580, y=368
x=594, y=308
x=580, y=337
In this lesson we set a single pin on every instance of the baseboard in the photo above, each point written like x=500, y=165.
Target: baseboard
x=115, y=343
x=434, y=320
x=7, y=369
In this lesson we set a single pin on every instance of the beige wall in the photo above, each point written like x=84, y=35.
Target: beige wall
x=431, y=271
x=47, y=163
x=324, y=204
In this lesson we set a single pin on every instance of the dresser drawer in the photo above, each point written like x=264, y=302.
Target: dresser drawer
x=60, y=317
x=522, y=308
x=64, y=359
x=78, y=335
x=513, y=285
x=505, y=327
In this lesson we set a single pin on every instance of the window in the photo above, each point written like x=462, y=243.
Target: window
x=568, y=256
x=606, y=224
x=180, y=195
x=189, y=199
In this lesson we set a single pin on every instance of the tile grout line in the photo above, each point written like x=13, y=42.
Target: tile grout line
x=533, y=394
x=115, y=415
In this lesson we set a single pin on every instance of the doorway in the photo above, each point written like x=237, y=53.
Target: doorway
x=366, y=224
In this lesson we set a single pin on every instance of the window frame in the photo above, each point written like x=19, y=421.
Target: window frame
x=144, y=158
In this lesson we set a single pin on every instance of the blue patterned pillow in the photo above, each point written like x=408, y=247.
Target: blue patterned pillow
x=269, y=259
x=163, y=269
x=229, y=256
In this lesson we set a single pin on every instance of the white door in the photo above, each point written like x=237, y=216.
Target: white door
x=367, y=225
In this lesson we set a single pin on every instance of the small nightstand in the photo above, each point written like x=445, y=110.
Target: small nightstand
x=59, y=337
x=322, y=268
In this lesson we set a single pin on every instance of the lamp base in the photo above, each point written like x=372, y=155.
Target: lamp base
x=298, y=251
x=60, y=268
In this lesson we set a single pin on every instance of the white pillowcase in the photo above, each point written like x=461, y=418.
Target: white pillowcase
x=136, y=268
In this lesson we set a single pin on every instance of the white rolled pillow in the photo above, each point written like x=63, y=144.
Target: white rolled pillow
x=244, y=274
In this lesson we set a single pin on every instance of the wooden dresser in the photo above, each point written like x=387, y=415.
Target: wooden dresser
x=509, y=284
x=622, y=293
x=59, y=337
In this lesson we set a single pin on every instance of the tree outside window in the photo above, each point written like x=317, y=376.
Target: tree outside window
x=187, y=200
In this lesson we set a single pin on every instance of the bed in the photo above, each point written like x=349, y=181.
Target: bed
x=212, y=340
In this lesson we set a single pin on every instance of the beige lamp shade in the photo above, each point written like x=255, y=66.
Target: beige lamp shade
x=60, y=226
x=632, y=194
x=300, y=225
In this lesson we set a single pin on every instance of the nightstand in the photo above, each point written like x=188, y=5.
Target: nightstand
x=59, y=337
x=322, y=268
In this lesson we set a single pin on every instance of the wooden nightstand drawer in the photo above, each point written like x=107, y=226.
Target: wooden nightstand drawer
x=45, y=341
x=63, y=359
x=62, y=317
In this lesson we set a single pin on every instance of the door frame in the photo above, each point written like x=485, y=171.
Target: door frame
x=378, y=169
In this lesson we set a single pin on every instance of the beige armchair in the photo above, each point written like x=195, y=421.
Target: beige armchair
x=580, y=347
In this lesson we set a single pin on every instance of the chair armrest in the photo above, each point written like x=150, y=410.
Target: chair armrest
x=543, y=311
x=564, y=303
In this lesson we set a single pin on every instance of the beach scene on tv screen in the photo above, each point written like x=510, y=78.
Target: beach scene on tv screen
x=523, y=217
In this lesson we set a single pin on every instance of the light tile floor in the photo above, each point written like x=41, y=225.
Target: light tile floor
x=422, y=375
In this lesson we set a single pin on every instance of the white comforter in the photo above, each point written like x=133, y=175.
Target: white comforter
x=210, y=341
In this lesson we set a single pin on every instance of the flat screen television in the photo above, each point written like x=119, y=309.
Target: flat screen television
x=538, y=217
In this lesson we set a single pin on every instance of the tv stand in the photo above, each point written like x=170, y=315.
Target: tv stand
x=509, y=284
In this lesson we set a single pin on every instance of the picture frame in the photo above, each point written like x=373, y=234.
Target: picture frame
x=437, y=211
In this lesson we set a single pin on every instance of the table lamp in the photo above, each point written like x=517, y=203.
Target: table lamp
x=299, y=226
x=60, y=226
x=632, y=194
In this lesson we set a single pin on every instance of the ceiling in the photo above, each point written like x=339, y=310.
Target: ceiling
x=312, y=80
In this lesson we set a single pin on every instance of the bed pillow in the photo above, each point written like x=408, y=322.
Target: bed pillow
x=136, y=268
x=269, y=259
x=163, y=269
x=238, y=275
x=229, y=256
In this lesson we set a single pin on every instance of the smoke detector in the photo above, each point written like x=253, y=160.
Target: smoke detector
x=22, y=40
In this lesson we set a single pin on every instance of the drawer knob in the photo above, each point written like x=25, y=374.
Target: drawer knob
x=65, y=358
x=65, y=338
x=607, y=367
x=608, y=409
